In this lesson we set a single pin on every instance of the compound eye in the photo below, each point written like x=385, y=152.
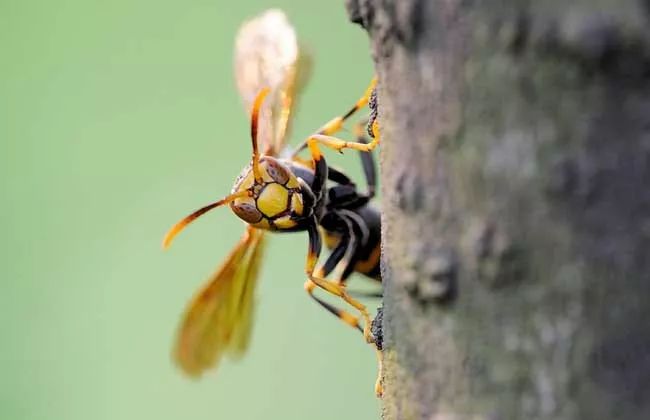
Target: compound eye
x=246, y=211
x=276, y=170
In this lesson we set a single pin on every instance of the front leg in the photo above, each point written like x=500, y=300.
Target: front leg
x=336, y=124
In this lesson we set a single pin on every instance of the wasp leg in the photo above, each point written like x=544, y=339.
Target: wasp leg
x=317, y=158
x=335, y=257
x=336, y=124
x=367, y=162
x=338, y=144
x=379, y=383
x=367, y=165
x=336, y=289
x=339, y=177
x=345, y=194
x=344, y=316
x=340, y=261
x=315, y=246
x=320, y=175
x=324, y=135
x=341, y=255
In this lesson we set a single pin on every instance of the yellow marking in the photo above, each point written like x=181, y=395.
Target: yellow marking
x=366, y=266
x=284, y=222
x=266, y=177
x=293, y=182
x=315, y=151
x=363, y=101
x=245, y=182
x=262, y=224
x=379, y=384
x=319, y=272
x=312, y=259
x=375, y=130
x=309, y=286
x=330, y=239
x=338, y=144
x=273, y=200
x=296, y=203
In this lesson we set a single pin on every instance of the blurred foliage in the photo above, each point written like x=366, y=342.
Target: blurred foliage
x=116, y=119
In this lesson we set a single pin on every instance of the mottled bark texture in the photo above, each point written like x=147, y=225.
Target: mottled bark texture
x=516, y=199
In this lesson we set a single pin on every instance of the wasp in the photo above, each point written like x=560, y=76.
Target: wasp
x=283, y=194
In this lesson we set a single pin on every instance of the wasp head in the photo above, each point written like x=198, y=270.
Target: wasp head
x=274, y=198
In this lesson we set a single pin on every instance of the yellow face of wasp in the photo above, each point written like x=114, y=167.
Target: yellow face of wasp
x=274, y=201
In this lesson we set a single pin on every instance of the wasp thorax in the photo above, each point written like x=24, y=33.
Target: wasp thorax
x=273, y=203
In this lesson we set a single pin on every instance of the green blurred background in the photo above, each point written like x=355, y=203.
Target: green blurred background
x=116, y=119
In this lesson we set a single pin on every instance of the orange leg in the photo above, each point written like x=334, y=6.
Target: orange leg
x=336, y=124
x=334, y=288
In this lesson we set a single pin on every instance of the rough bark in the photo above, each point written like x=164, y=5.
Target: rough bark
x=515, y=169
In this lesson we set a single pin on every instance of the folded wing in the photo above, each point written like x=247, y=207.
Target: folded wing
x=267, y=55
x=218, y=319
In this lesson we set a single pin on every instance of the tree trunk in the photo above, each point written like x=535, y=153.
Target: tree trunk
x=515, y=169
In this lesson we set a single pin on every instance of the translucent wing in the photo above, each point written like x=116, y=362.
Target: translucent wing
x=267, y=56
x=218, y=320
